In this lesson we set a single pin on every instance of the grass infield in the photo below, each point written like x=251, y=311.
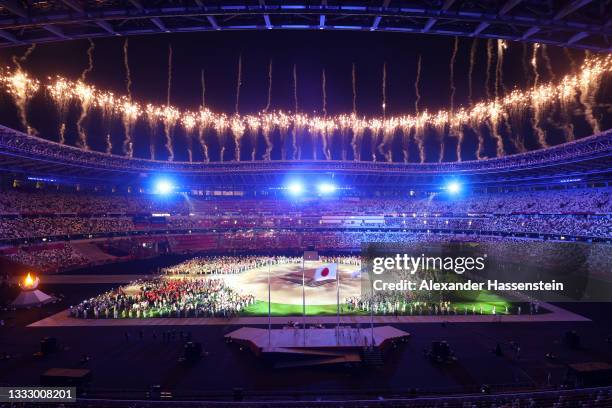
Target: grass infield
x=463, y=300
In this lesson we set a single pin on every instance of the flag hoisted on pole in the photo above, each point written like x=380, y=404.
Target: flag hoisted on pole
x=328, y=272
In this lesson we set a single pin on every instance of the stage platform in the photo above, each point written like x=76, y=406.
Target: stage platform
x=292, y=347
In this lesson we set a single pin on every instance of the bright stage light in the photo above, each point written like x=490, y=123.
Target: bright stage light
x=453, y=187
x=163, y=187
x=326, y=188
x=295, y=188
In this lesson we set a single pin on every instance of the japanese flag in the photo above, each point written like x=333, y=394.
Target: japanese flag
x=326, y=272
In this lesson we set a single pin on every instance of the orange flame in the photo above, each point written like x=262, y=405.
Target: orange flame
x=28, y=281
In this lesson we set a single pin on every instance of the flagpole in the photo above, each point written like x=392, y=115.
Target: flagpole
x=269, y=309
x=303, y=300
x=371, y=310
x=338, y=296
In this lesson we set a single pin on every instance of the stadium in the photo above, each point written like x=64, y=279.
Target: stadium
x=274, y=204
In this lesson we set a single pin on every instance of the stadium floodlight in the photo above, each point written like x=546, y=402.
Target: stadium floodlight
x=163, y=187
x=295, y=188
x=326, y=188
x=453, y=187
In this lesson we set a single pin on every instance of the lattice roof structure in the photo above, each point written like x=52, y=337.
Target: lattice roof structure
x=585, y=24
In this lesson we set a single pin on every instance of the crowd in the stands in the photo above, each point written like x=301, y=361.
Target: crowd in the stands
x=35, y=217
x=571, y=201
x=51, y=258
x=585, y=213
x=226, y=264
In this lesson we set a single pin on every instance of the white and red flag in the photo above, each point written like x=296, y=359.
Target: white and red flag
x=326, y=272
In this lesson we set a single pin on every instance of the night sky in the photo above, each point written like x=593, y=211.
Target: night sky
x=217, y=53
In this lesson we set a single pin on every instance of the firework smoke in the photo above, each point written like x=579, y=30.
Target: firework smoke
x=551, y=74
x=238, y=85
x=85, y=97
x=480, y=148
x=535, y=119
x=384, y=90
x=471, y=70
x=324, y=133
x=89, y=67
x=452, y=73
x=324, y=92
x=203, y=85
x=126, y=117
x=499, y=68
x=126, y=66
x=453, y=89
x=416, y=87
x=237, y=127
x=570, y=58
x=203, y=144
x=296, y=150
x=460, y=137
x=386, y=135
x=586, y=97
x=419, y=135
x=169, y=115
x=534, y=64
x=494, y=126
x=269, y=102
x=525, y=61
x=267, y=124
x=19, y=60
x=169, y=90
x=23, y=95
x=488, y=71
x=354, y=83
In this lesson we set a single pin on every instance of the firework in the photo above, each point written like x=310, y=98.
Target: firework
x=536, y=100
x=21, y=88
x=61, y=93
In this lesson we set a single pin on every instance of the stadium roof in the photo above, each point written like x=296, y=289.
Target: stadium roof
x=27, y=156
x=583, y=24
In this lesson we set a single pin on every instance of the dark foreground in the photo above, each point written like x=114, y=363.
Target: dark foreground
x=126, y=363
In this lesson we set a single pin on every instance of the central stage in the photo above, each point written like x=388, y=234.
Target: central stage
x=292, y=347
